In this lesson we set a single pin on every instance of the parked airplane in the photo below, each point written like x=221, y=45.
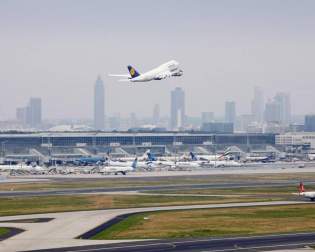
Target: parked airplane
x=144, y=157
x=89, y=160
x=307, y=195
x=119, y=169
x=188, y=164
x=168, y=69
x=209, y=157
x=263, y=159
x=225, y=163
x=23, y=168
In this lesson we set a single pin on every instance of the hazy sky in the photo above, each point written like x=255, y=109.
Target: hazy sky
x=56, y=49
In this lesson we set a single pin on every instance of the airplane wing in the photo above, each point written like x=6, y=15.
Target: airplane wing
x=163, y=75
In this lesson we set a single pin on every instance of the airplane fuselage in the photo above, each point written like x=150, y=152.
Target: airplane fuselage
x=163, y=71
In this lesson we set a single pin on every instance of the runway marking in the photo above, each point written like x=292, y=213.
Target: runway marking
x=201, y=240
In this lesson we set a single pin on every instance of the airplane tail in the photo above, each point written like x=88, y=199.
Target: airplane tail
x=301, y=187
x=151, y=157
x=134, y=163
x=133, y=72
x=193, y=156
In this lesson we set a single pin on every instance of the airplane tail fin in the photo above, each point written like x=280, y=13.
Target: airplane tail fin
x=146, y=154
x=151, y=157
x=134, y=163
x=193, y=156
x=301, y=187
x=133, y=72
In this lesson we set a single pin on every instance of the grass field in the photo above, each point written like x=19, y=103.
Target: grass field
x=48, y=204
x=72, y=183
x=3, y=231
x=214, y=222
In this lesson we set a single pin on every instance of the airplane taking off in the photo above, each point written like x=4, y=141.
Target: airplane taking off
x=308, y=195
x=168, y=69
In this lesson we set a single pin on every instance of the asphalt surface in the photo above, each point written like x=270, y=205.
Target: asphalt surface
x=214, y=185
x=63, y=230
x=254, y=243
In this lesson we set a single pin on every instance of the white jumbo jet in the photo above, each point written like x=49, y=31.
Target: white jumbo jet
x=168, y=69
x=119, y=169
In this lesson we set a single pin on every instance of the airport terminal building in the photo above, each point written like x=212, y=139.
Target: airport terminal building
x=74, y=139
x=84, y=143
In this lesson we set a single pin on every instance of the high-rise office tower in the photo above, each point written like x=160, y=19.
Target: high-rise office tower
x=156, y=114
x=178, y=116
x=272, y=112
x=230, y=112
x=309, y=123
x=21, y=115
x=99, y=104
x=285, y=107
x=33, y=112
x=258, y=104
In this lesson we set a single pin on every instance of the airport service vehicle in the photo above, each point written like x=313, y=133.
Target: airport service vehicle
x=166, y=70
x=307, y=195
x=311, y=156
x=119, y=169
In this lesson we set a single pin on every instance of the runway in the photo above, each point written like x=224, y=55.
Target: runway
x=64, y=228
x=254, y=243
x=214, y=185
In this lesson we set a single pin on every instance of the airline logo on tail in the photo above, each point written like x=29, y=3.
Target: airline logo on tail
x=134, y=163
x=301, y=188
x=133, y=72
x=151, y=157
x=192, y=156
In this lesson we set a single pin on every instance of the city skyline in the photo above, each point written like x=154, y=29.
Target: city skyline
x=231, y=52
x=275, y=111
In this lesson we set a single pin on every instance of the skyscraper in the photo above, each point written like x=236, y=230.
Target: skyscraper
x=230, y=112
x=258, y=104
x=156, y=114
x=21, y=115
x=99, y=104
x=33, y=112
x=309, y=124
x=272, y=112
x=285, y=107
x=178, y=116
